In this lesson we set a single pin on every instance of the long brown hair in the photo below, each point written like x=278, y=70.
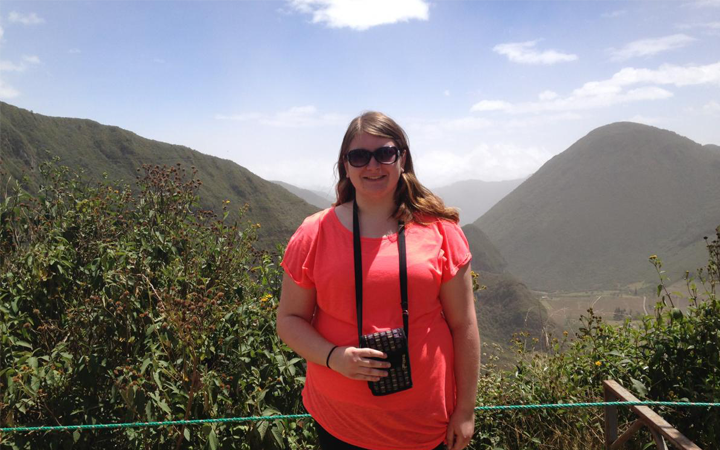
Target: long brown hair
x=414, y=202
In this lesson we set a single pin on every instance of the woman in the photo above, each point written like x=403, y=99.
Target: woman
x=317, y=315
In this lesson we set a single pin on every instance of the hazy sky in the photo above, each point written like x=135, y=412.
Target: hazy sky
x=485, y=89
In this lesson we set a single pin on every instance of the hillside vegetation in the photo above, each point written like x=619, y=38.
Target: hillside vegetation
x=589, y=217
x=28, y=139
x=123, y=306
x=505, y=306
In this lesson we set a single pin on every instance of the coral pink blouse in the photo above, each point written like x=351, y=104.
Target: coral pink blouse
x=320, y=255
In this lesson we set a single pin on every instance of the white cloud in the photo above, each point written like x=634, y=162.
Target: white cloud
x=649, y=47
x=486, y=161
x=614, y=14
x=362, y=14
x=525, y=53
x=466, y=128
x=446, y=93
x=295, y=117
x=646, y=120
x=602, y=98
x=25, y=19
x=547, y=95
x=74, y=51
x=615, y=90
x=699, y=26
x=31, y=59
x=2, y=32
x=711, y=107
x=8, y=66
x=491, y=105
x=704, y=4
x=245, y=117
x=7, y=91
x=159, y=60
x=540, y=120
x=465, y=124
x=668, y=74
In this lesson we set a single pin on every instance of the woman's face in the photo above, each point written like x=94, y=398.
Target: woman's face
x=374, y=180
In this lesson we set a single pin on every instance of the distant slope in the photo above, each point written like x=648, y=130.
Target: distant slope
x=25, y=136
x=591, y=216
x=507, y=306
x=474, y=197
x=306, y=194
x=486, y=256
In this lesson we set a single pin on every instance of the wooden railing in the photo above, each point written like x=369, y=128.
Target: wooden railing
x=658, y=427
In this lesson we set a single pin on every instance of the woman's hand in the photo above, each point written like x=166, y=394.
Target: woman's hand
x=460, y=429
x=355, y=363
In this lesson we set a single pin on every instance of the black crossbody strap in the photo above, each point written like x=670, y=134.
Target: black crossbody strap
x=358, y=272
x=403, y=276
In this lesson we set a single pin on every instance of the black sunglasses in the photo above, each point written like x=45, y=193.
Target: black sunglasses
x=360, y=157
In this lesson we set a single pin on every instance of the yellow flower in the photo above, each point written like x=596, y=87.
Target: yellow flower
x=653, y=256
x=227, y=202
x=265, y=297
x=598, y=363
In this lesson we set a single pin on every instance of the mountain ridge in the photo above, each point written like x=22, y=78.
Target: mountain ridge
x=475, y=197
x=98, y=148
x=591, y=215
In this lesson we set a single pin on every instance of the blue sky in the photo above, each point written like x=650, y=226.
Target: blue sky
x=485, y=89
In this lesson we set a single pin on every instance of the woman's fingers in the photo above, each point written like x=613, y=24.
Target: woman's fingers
x=367, y=378
x=374, y=363
x=371, y=353
x=355, y=363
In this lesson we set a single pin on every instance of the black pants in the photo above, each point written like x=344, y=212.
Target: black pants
x=330, y=442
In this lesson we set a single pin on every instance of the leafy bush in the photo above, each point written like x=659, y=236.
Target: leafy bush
x=120, y=306
x=670, y=355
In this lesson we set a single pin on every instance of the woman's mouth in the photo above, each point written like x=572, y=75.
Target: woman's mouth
x=375, y=178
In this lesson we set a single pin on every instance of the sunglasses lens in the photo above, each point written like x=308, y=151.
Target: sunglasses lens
x=359, y=158
x=386, y=155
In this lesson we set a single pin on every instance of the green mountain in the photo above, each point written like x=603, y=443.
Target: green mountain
x=26, y=137
x=475, y=197
x=591, y=216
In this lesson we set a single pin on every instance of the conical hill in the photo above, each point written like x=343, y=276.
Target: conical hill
x=591, y=216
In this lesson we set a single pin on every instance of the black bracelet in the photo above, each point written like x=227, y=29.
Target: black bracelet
x=327, y=361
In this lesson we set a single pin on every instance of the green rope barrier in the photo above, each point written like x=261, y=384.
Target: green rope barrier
x=304, y=416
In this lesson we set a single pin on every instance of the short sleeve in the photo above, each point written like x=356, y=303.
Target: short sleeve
x=455, y=251
x=299, y=258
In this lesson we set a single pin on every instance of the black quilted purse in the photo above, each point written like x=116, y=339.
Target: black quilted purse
x=394, y=343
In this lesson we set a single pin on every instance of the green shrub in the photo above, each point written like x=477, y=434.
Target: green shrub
x=122, y=305
x=668, y=356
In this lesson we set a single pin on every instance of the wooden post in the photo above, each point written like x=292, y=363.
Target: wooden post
x=611, y=418
x=659, y=428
